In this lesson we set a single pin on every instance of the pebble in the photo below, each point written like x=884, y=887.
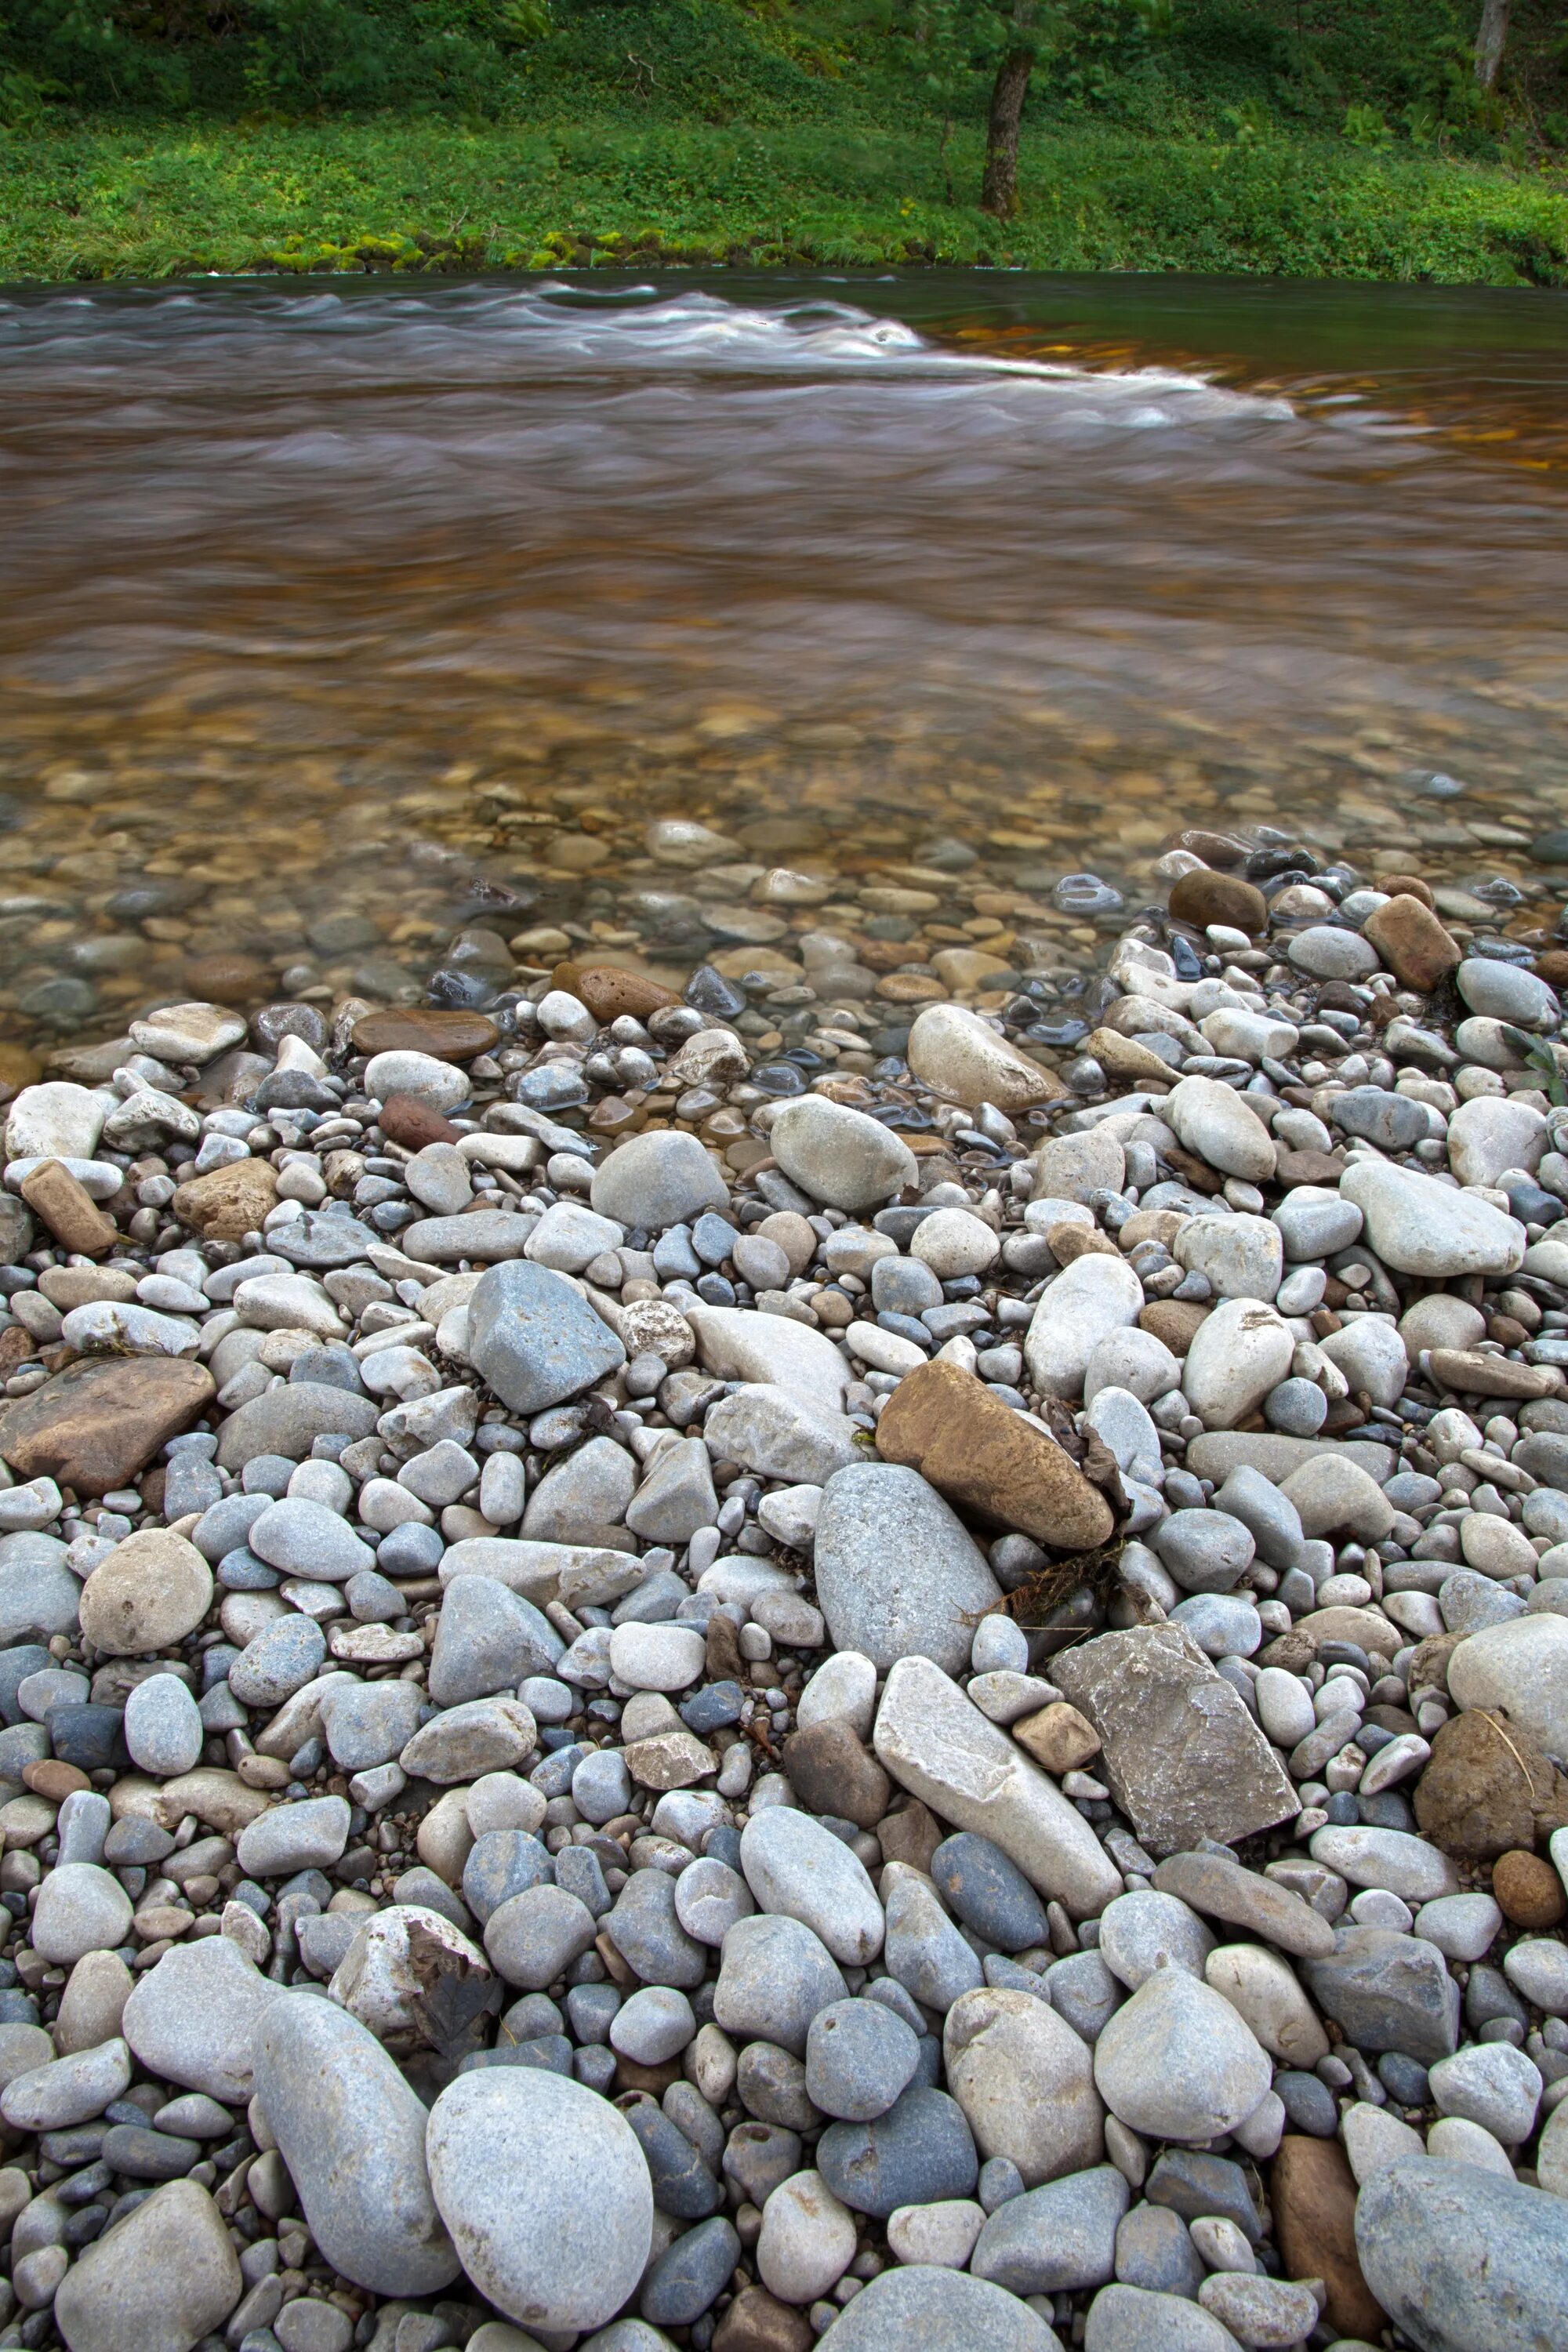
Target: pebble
x=163, y=2277
x=1456, y=2257
x=352, y=2135
x=191, y=2018
x=535, y=1340
x=545, y=2192
x=657, y=1179
x=1025, y=2081
x=860, y=2056
x=897, y=1572
x=920, y=2152
x=1057, y=2238
x=1176, y=2061
x=946, y=2306
x=838, y=1155
x=1091, y=1299
x=796, y=1868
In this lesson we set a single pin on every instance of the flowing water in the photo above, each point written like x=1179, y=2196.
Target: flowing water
x=329, y=610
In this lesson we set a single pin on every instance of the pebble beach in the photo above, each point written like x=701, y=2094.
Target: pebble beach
x=781, y=1601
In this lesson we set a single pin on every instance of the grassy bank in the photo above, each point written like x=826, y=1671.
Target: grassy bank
x=91, y=200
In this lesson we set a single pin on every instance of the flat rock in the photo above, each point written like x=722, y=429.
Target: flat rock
x=898, y=1574
x=1418, y=1226
x=924, y=2303
x=1222, y=1889
x=95, y=1425
x=780, y=1434
x=989, y=1460
x=770, y=1350
x=940, y=1747
x=454, y=1036
x=1218, y=1452
x=957, y=1054
x=352, y=2133
x=1184, y=1759
x=1521, y=1668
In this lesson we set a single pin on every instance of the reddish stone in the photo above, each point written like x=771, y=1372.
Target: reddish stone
x=1312, y=2190
x=757, y=2322
x=227, y=978
x=1405, y=886
x=405, y=1120
x=94, y=1427
x=1201, y=897
x=420, y=1029
x=1528, y=1890
x=608, y=990
x=1412, y=942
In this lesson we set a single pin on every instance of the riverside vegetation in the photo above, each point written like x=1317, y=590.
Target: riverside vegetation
x=1346, y=139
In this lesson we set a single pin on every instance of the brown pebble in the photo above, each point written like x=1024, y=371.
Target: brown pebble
x=54, y=1779
x=652, y=2080
x=1201, y=897
x=422, y=1029
x=1313, y=2192
x=1528, y=1890
x=832, y=1771
x=227, y=978
x=69, y=1210
x=1069, y=1241
x=1292, y=1168
x=911, y=1834
x=1405, y=886
x=1551, y=966
x=1059, y=1737
x=609, y=990
x=1175, y=1321
x=101, y=1422
x=724, y=1662
x=405, y=1120
x=757, y=2322
x=19, y=1068
x=227, y=1203
x=988, y=1461
x=1214, y=848
x=1412, y=942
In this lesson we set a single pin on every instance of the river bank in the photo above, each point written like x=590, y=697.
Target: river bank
x=107, y=199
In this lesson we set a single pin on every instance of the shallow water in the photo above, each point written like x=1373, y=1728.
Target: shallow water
x=300, y=584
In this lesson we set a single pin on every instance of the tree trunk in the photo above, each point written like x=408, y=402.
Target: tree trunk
x=999, y=189
x=1491, y=42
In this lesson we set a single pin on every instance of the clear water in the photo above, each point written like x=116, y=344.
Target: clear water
x=298, y=581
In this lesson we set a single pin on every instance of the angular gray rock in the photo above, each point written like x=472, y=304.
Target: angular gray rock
x=1183, y=1757
x=535, y=1338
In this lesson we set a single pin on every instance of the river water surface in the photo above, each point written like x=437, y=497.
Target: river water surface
x=314, y=596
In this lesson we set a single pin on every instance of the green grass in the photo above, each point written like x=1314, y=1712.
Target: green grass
x=91, y=199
